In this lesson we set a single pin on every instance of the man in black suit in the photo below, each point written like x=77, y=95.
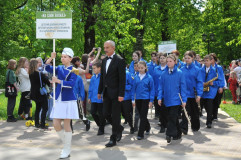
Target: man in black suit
x=112, y=86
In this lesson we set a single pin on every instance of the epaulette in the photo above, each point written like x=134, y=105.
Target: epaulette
x=75, y=71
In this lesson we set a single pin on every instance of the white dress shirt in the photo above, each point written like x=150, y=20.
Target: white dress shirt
x=108, y=62
x=142, y=75
x=207, y=69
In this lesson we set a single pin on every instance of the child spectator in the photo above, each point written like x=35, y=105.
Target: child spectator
x=11, y=78
x=23, y=77
x=37, y=80
x=233, y=86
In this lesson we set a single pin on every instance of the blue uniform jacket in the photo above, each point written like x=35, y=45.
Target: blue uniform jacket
x=171, y=85
x=156, y=78
x=180, y=63
x=79, y=89
x=93, y=89
x=68, y=80
x=128, y=87
x=212, y=89
x=197, y=64
x=194, y=81
x=143, y=89
x=151, y=65
x=131, y=67
x=220, y=80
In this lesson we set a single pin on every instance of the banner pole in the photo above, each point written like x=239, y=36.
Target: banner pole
x=54, y=73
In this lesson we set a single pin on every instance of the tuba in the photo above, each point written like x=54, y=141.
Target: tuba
x=206, y=84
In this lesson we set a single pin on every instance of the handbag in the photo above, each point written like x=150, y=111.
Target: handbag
x=10, y=89
x=43, y=90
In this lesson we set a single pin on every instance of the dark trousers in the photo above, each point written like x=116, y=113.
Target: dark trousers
x=10, y=106
x=216, y=104
x=41, y=105
x=97, y=113
x=173, y=127
x=25, y=104
x=126, y=110
x=193, y=112
x=208, y=105
x=163, y=115
x=142, y=106
x=112, y=112
x=157, y=108
x=137, y=117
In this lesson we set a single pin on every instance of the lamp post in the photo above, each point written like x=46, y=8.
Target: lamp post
x=208, y=38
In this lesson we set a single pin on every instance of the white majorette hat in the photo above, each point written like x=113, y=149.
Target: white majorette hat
x=69, y=52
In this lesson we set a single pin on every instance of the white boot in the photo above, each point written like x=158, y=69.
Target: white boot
x=67, y=145
x=61, y=135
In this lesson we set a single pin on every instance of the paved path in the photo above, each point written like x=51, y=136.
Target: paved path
x=222, y=142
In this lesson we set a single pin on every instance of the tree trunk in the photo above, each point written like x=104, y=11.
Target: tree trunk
x=89, y=32
x=141, y=14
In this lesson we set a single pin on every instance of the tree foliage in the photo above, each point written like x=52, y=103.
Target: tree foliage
x=132, y=24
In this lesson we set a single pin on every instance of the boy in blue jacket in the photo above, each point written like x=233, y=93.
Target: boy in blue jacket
x=96, y=104
x=208, y=73
x=173, y=92
x=126, y=105
x=143, y=92
x=220, y=83
x=151, y=65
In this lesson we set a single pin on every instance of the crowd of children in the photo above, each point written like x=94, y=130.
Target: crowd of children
x=171, y=85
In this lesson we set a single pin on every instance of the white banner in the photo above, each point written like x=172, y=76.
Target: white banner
x=54, y=25
x=167, y=46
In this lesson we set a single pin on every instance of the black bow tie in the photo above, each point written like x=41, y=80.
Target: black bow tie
x=109, y=58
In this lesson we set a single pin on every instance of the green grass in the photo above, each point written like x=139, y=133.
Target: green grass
x=3, y=106
x=233, y=110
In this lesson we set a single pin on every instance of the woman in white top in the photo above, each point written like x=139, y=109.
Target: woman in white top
x=24, y=87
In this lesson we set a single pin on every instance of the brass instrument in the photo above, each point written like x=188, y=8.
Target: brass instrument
x=206, y=84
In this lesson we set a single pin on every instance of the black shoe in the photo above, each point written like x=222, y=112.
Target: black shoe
x=163, y=129
x=184, y=131
x=112, y=142
x=177, y=137
x=209, y=125
x=148, y=131
x=29, y=118
x=87, y=125
x=44, y=127
x=132, y=130
x=140, y=137
x=12, y=120
x=195, y=130
x=37, y=125
x=119, y=135
x=169, y=139
x=100, y=132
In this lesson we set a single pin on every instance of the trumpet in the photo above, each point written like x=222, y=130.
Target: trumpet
x=206, y=84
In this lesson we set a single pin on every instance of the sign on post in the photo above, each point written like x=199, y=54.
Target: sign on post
x=54, y=25
x=167, y=46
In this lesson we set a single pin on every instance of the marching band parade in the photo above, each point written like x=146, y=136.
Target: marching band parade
x=178, y=90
